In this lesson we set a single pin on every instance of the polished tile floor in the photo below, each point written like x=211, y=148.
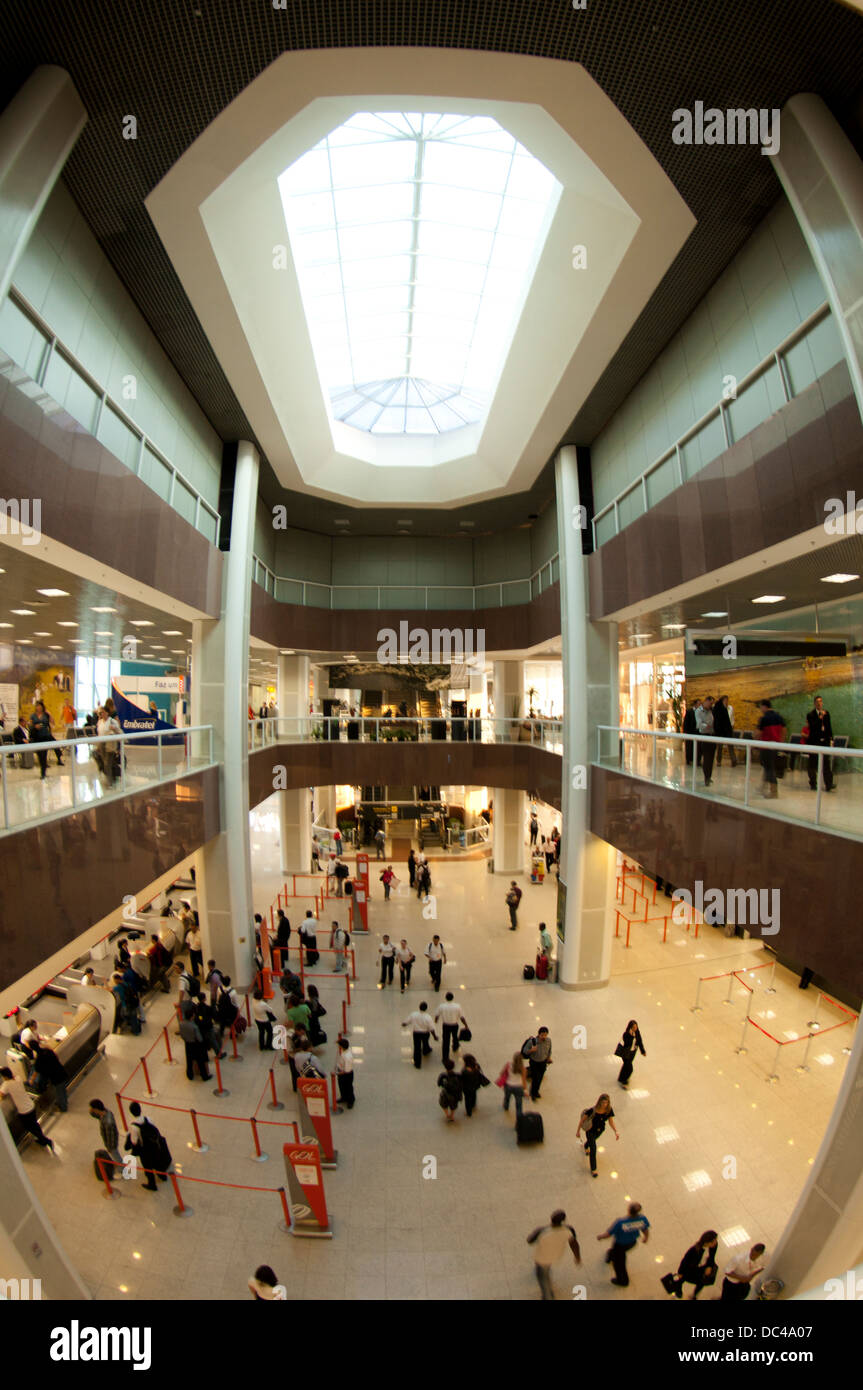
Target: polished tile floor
x=27, y=797
x=706, y=1139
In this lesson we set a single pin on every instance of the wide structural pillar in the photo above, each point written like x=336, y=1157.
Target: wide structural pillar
x=824, y=1237
x=38, y=130
x=589, y=661
x=508, y=806
x=295, y=807
x=220, y=678
x=823, y=178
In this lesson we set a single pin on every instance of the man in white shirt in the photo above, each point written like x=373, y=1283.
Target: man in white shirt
x=550, y=1242
x=436, y=959
x=196, y=953
x=387, y=958
x=405, y=958
x=332, y=880
x=421, y=1024
x=345, y=1073
x=451, y=1016
x=13, y=1088
x=739, y=1273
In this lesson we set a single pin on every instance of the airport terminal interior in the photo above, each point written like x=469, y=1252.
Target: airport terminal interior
x=477, y=394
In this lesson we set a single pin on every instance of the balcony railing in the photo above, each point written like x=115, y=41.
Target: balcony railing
x=103, y=416
x=539, y=733
x=415, y=597
x=94, y=769
x=673, y=760
x=636, y=496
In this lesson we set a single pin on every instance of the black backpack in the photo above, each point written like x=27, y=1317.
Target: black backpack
x=226, y=1010
x=527, y=1046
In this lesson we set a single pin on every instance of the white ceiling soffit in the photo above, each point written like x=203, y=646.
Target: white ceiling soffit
x=220, y=215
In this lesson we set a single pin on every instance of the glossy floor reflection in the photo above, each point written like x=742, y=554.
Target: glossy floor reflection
x=28, y=797
x=705, y=1140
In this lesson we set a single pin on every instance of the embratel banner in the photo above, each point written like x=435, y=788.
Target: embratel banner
x=137, y=721
x=316, y=1103
x=306, y=1186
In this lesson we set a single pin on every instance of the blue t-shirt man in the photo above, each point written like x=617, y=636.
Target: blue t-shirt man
x=626, y=1230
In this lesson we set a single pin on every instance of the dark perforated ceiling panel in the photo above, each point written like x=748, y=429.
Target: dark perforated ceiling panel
x=175, y=65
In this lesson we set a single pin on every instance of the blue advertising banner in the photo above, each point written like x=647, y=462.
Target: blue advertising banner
x=137, y=721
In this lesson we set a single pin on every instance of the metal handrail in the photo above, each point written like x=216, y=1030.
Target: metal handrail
x=746, y=745
x=265, y=733
x=773, y=358
x=177, y=736
x=55, y=344
x=272, y=580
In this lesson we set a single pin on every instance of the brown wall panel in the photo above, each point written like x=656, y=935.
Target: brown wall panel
x=57, y=879
x=767, y=488
x=514, y=765
x=356, y=630
x=684, y=838
x=97, y=506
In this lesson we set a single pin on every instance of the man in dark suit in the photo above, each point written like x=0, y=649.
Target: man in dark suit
x=820, y=734
x=691, y=727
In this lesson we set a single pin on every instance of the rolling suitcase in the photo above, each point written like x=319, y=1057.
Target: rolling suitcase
x=542, y=967
x=528, y=1128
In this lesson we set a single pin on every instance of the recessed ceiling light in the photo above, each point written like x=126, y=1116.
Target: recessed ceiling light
x=23, y=612
x=636, y=635
x=288, y=651
x=178, y=651
x=103, y=610
x=159, y=647
x=6, y=624
x=769, y=598
x=838, y=578
x=54, y=593
x=67, y=624
x=75, y=640
x=24, y=642
x=714, y=613
x=672, y=627
x=54, y=648
x=102, y=633
x=43, y=634
x=172, y=632
x=140, y=622
x=2, y=571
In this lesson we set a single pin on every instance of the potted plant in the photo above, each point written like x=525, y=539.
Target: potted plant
x=532, y=692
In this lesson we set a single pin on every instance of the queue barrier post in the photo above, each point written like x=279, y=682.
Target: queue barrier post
x=741, y=1047
x=286, y=1212
x=220, y=1090
x=336, y=1107
x=348, y=987
x=275, y=1103
x=180, y=1209
x=696, y=1007
x=353, y=963
x=119, y=1100
x=107, y=1181
x=344, y=1016
x=170, y=1060
x=198, y=1147
x=813, y=1021
x=236, y=1056
x=665, y=938
x=731, y=978
x=248, y=1012
x=774, y=1075
x=804, y=1065
x=258, y=1156
x=149, y=1093
x=771, y=988
x=617, y=916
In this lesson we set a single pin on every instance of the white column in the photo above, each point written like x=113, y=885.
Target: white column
x=589, y=660
x=220, y=679
x=38, y=130
x=295, y=812
x=823, y=178
x=508, y=829
x=824, y=1236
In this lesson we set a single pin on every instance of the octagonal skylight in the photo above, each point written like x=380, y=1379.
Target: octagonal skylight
x=415, y=238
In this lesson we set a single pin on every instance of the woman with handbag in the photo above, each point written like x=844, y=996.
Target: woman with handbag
x=697, y=1267
x=317, y=1036
x=471, y=1078
x=626, y=1049
x=513, y=1082
x=593, y=1122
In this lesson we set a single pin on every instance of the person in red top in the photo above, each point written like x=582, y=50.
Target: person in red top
x=771, y=728
x=388, y=878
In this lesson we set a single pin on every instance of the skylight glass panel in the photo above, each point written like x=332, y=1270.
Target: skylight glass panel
x=414, y=236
